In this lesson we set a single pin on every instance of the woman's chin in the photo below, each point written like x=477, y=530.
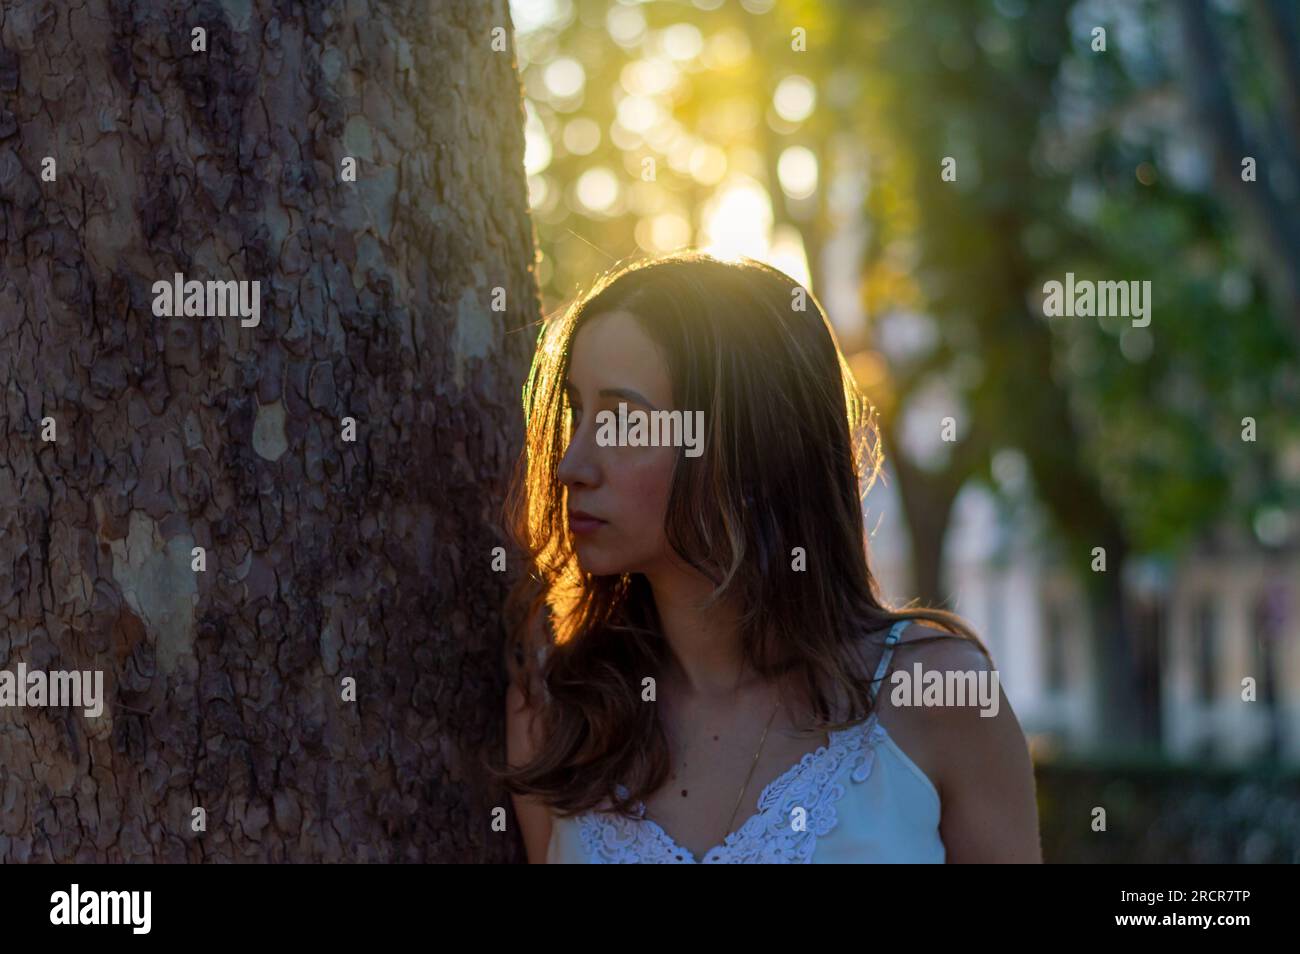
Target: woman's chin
x=591, y=560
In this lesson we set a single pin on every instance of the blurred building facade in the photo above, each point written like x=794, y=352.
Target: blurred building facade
x=1228, y=610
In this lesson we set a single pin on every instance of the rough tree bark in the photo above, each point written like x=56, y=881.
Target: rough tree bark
x=325, y=558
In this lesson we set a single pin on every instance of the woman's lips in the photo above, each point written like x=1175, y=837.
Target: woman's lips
x=580, y=522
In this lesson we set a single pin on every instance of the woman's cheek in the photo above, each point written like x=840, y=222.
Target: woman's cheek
x=641, y=478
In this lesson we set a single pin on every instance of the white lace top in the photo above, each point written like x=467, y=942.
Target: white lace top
x=858, y=799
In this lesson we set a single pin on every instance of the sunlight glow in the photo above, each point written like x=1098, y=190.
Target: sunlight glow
x=648, y=77
x=738, y=221
x=666, y=232
x=797, y=170
x=789, y=256
x=626, y=25
x=638, y=113
x=727, y=49
x=794, y=98
x=530, y=15
x=581, y=136
x=597, y=189
x=564, y=77
x=708, y=164
x=537, y=144
x=682, y=41
x=538, y=189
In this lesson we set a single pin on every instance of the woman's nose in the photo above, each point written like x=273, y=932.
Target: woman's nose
x=578, y=465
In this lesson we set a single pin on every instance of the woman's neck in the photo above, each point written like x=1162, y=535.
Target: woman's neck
x=704, y=645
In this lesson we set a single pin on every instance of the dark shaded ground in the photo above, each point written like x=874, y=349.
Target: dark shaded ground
x=1168, y=814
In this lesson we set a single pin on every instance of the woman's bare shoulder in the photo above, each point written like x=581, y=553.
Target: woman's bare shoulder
x=956, y=674
x=939, y=649
x=973, y=747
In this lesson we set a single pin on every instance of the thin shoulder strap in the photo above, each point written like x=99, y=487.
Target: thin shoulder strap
x=895, y=633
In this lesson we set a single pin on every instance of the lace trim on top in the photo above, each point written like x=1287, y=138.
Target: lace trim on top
x=814, y=783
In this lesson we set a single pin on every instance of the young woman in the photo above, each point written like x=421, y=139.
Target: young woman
x=701, y=663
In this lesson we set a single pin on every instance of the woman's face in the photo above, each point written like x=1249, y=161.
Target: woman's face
x=624, y=487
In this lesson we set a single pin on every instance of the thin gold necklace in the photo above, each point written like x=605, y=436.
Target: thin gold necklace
x=753, y=766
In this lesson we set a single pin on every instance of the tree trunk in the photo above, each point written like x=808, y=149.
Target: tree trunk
x=1270, y=218
x=927, y=501
x=1124, y=725
x=326, y=558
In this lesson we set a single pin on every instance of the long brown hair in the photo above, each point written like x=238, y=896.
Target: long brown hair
x=791, y=450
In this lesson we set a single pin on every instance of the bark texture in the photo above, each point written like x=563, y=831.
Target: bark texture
x=325, y=559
